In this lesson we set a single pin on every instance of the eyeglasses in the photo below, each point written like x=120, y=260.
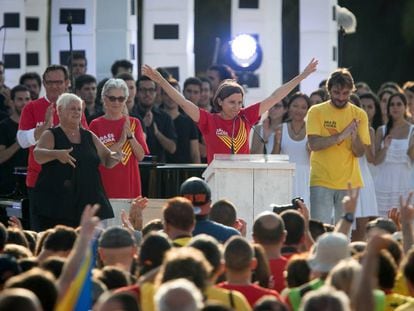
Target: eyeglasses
x=54, y=82
x=112, y=99
x=144, y=90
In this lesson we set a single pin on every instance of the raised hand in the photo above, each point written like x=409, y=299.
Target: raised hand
x=349, y=130
x=89, y=221
x=15, y=222
x=394, y=215
x=151, y=73
x=354, y=133
x=126, y=131
x=48, y=123
x=241, y=226
x=378, y=242
x=135, y=212
x=126, y=223
x=349, y=202
x=406, y=209
x=303, y=209
x=311, y=67
x=49, y=116
x=64, y=157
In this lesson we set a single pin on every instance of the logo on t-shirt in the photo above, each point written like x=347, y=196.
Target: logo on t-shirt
x=331, y=128
x=328, y=124
x=221, y=132
x=235, y=143
x=107, y=139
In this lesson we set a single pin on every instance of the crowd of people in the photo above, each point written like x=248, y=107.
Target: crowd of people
x=345, y=246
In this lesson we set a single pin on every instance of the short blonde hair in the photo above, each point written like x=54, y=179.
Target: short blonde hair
x=66, y=98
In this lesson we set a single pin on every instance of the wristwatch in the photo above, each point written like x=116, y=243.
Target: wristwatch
x=349, y=217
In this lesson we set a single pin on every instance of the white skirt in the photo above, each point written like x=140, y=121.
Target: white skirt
x=367, y=200
x=392, y=181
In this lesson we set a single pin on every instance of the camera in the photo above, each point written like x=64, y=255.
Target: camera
x=281, y=208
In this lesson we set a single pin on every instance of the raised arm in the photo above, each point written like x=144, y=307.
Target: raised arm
x=88, y=224
x=308, y=240
x=362, y=294
x=407, y=218
x=286, y=88
x=189, y=108
x=349, y=204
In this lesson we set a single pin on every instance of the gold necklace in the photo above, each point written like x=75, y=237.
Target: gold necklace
x=297, y=133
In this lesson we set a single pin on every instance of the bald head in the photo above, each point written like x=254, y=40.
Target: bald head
x=268, y=228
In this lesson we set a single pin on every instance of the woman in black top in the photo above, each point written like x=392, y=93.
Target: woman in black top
x=70, y=179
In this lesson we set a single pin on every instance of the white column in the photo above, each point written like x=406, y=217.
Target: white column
x=266, y=22
x=116, y=34
x=319, y=39
x=168, y=35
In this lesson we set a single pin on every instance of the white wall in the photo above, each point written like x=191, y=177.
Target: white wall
x=318, y=38
x=19, y=41
x=116, y=35
x=169, y=52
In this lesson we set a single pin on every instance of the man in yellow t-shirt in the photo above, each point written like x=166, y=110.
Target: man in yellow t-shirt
x=337, y=132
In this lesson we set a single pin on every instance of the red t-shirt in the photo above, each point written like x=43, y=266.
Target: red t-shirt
x=218, y=132
x=277, y=267
x=33, y=115
x=252, y=292
x=122, y=181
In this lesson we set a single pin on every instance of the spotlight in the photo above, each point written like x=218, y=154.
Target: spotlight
x=245, y=53
x=346, y=20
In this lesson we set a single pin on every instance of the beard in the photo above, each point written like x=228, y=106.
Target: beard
x=339, y=103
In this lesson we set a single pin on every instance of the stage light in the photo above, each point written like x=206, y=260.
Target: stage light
x=245, y=53
x=244, y=50
x=346, y=20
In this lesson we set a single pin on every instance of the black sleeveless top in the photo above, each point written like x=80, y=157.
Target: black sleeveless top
x=61, y=191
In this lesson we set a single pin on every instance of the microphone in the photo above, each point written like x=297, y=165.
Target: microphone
x=256, y=133
x=69, y=23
